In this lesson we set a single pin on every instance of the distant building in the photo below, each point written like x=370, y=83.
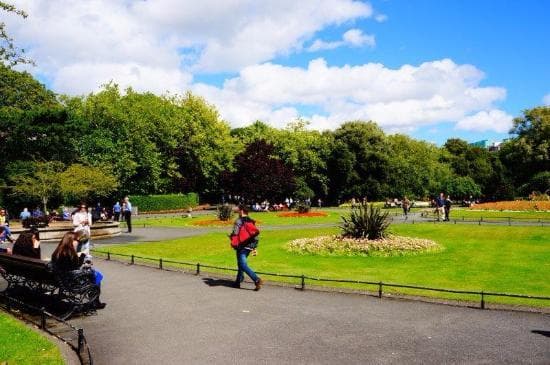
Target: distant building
x=481, y=144
x=493, y=147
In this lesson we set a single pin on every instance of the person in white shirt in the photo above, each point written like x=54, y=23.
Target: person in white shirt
x=82, y=221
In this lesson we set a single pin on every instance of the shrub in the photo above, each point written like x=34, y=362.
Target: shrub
x=302, y=207
x=155, y=203
x=225, y=212
x=365, y=221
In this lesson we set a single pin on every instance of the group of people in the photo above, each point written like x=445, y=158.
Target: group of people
x=72, y=252
x=442, y=207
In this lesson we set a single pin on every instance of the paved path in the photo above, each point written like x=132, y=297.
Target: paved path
x=162, y=317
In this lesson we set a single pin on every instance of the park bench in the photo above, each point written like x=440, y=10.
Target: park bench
x=64, y=293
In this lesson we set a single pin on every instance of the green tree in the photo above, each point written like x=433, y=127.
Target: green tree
x=416, y=169
x=368, y=145
x=22, y=91
x=84, y=183
x=41, y=181
x=528, y=152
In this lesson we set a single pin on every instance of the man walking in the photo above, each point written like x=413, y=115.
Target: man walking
x=128, y=213
x=244, y=249
x=439, y=206
x=448, y=204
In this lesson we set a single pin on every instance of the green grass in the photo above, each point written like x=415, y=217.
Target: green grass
x=458, y=213
x=21, y=345
x=495, y=259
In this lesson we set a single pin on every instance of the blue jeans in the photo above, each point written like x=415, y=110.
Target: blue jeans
x=5, y=234
x=242, y=254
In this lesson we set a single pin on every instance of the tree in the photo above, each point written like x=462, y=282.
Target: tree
x=9, y=53
x=368, y=145
x=259, y=175
x=528, y=153
x=20, y=90
x=84, y=183
x=40, y=181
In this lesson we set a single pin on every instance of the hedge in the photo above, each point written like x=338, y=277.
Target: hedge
x=156, y=203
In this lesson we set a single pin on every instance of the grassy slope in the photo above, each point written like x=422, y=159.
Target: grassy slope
x=21, y=345
x=498, y=259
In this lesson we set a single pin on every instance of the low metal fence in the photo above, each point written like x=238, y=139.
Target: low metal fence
x=53, y=325
x=198, y=267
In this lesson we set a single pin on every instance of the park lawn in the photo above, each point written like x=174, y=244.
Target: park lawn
x=21, y=345
x=489, y=258
x=458, y=213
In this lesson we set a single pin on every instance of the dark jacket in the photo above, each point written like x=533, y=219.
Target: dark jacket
x=25, y=250
x=67, y=263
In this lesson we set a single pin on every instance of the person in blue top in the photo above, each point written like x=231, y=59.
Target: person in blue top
x=116, y=211
x=128, y=214
x=25, y=214
x=440, y=206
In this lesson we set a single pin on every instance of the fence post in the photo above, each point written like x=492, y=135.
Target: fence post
x=509, y=221
x=80, y=340
x=482, y=300
x=43, y=318
x=160, y=263
x=108, y=255
x=198, y=268
x=380, y=290
x=303, y=286
x=132, y=262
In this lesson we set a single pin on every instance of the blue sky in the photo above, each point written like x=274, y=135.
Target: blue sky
x=473, y=65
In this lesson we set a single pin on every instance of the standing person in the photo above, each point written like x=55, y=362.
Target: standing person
x=406, y=205
x=448, y=204
x=439, y=206
x=82, y=221
x=128, y=213
x=243, y=250
x=116, y=211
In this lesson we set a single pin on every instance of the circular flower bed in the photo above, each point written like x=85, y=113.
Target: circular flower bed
x=212, y=222
x=297, y=214
x=518, y=205
x=340, y=246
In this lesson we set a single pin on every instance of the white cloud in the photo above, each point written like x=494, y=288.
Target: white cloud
x=380, y=18
x=163, y=35
x=546, y=99
x=351, y=38
x=401, y=99
x=492, y=120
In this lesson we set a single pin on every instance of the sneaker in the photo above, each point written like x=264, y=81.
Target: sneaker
x=259, y=284
x=100, y=305
x=236, y=285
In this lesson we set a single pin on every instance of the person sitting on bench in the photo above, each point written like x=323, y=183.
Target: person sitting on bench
x=65, y=258
x=27, y=244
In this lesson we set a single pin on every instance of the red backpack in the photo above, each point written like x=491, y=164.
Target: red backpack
x=247, y=231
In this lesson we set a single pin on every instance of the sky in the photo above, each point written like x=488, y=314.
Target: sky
x=431, y=69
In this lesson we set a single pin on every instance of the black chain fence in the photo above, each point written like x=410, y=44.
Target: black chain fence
x=302, y=279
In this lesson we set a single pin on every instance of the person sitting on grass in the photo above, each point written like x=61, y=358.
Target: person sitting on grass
x=65, y=258
x=28, y=244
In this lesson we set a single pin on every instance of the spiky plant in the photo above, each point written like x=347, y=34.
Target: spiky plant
x=225, y=212
x=365, y=221
x=303, y=207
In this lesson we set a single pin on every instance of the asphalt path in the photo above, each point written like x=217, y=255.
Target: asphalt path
x=166, y=317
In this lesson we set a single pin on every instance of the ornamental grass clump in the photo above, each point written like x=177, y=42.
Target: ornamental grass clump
x=225, y=212
x=365, y=221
